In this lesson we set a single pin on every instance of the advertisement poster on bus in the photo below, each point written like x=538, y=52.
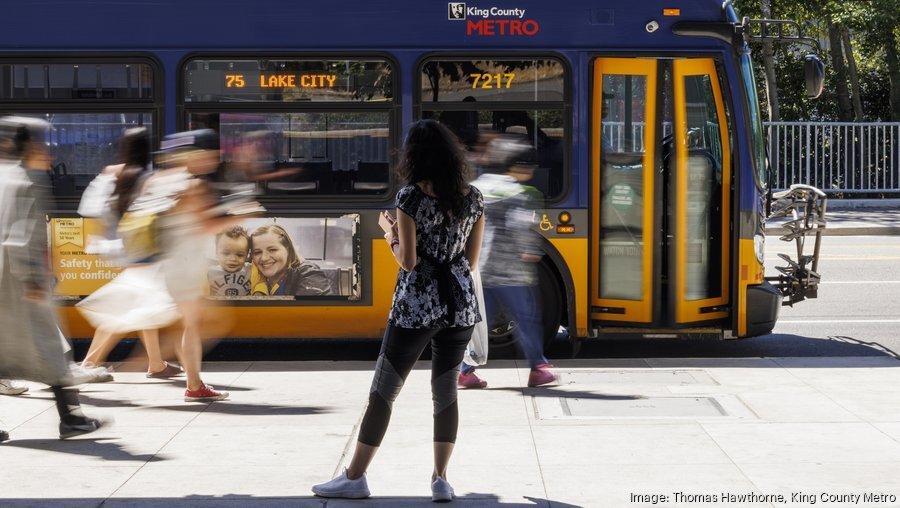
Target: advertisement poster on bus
x=285, y=258
x=264, y=258
x=75, y=272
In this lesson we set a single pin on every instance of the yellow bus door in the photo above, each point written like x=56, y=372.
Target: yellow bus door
x=661, y=193
x=622, y=186
x=702, y=194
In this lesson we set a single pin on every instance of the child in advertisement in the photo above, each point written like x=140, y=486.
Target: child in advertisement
x=231, y=276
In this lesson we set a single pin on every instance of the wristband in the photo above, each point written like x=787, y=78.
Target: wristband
x=394, y=243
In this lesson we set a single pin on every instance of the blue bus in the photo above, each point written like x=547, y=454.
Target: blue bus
x=642, y=119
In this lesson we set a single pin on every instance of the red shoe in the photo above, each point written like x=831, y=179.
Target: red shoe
x=204, y=394
x=169, y=371
x=542, y=375
x=471, y=380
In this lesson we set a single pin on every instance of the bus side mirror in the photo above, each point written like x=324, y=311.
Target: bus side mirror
x=814, y=74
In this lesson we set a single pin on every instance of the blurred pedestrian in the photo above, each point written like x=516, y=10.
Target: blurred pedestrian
x=189, y=213
x=511, y=252
x=436, y=239
x=108, y=197
x=30, y=346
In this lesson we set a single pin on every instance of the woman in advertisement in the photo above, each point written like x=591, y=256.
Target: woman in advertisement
x=282, y=272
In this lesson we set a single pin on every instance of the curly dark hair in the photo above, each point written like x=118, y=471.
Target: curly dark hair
x=432, y=153
x=234, y=233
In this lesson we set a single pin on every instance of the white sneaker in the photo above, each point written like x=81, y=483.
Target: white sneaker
x=343, y=487
x=79, y=375
x=441, y=491
x=10, y=387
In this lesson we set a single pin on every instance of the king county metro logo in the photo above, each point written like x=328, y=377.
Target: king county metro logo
x=456, y=10
x=493, y=21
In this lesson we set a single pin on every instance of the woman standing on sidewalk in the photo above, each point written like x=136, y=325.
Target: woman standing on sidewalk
x=435, y=239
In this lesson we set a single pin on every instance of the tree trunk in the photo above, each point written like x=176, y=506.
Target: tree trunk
x=768, y=54
x=893, y=65
x=845, y=109
x=856, y=93
x=434, y=80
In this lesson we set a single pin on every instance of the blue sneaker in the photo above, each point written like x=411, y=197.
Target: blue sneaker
x=343, y=487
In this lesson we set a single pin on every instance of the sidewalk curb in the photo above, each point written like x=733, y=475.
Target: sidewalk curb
x=863, y=204
x=845, y=231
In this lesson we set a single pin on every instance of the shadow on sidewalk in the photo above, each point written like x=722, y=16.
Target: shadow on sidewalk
x=778, y=345
x=226, y=407
x=354, y=355
x=554, y=391
x=104, y=448
x=235, y=501
x=223, y=407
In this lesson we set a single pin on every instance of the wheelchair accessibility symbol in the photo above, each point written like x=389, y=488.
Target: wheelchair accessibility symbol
x=545, y=224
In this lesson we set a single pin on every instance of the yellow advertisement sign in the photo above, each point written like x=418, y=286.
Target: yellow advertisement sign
x=77, y=273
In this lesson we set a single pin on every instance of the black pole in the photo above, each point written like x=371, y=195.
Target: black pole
x=629, y=131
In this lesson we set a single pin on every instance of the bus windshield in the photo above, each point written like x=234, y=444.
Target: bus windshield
x=757, y=139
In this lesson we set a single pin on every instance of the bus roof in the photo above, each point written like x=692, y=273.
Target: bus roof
x=348, y=24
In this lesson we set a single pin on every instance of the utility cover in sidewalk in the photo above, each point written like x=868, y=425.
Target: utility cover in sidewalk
x=637, y=407
x=652, y=407
x=637, y=377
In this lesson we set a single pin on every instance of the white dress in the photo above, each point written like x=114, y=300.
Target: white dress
x=139, y=298
x=135, y=300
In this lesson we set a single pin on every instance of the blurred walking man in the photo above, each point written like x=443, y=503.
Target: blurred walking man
x=30, y=346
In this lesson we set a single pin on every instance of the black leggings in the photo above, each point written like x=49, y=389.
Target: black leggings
x=400, y=350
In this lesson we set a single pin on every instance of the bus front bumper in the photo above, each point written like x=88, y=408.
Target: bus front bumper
x=763, y=304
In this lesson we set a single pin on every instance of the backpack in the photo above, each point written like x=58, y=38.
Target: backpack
x=140, y=234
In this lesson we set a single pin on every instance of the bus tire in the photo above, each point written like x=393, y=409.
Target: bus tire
x=552, y=302
x=502, y=336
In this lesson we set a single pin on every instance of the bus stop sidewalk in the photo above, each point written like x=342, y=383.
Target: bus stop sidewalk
x=859, y=221
x=612, y=433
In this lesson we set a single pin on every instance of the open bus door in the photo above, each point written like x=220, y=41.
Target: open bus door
x=661, y=194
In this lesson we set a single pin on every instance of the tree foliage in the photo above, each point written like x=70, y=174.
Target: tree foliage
x=874, y=27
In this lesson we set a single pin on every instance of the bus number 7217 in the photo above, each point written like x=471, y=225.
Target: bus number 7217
x=486, y=80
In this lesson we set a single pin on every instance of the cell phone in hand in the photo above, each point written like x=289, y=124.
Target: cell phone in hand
x=386, y=221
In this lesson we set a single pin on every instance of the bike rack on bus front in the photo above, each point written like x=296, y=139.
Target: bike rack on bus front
x=805, y=206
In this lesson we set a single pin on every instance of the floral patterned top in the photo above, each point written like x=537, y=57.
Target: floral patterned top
x=438, y=292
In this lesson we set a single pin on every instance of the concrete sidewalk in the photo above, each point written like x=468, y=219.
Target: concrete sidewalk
x=614, y=433
x=851, y=222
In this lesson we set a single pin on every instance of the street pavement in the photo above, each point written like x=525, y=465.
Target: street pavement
x=843, y=221
x=683, y=432
x=612, y=433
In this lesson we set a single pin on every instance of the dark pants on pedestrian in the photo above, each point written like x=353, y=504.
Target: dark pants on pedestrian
x=68, y=405
x=400, y=350
x=521, y=304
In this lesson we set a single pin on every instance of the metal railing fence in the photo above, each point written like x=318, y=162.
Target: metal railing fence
x=839, y=158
